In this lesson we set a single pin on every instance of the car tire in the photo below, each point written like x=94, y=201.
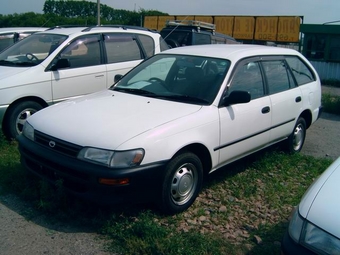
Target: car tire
x=182, y=183
x=297, y=137
x=17, y=116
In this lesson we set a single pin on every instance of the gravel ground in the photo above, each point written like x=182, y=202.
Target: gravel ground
x=21, y=236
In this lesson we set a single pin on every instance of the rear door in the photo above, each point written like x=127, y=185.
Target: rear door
x=123, y=52
x=285, y=97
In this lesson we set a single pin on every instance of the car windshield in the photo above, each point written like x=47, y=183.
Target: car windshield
x=32, y=50
x=188, y=79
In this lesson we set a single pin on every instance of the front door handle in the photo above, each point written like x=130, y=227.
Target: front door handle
x=298, y=99
x=265, y=109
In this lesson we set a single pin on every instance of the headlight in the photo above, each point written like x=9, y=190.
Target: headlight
x=28, y=131
x=295, y=225
x=112, y=158
x=319, y=240
x=309, y=235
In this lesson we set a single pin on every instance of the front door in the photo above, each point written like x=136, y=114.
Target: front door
x=245, y=127
x=86, y=74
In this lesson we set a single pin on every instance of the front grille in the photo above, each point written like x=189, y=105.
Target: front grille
x=73, y=180
x=57, y=145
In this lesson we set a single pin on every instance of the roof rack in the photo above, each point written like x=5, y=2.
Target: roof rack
x=191, y=23
x=63, y=26
x=124, y=27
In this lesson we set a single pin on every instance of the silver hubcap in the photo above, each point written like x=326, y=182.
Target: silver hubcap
x=298, y=137
x=22, y=117
x=183, y=184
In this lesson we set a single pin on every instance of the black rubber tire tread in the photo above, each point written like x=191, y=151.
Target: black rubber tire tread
x=166, y=204
x=9, y=123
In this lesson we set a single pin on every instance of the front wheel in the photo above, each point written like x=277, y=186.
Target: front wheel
x=297, y=138
x=182, y=183
x=17, y=116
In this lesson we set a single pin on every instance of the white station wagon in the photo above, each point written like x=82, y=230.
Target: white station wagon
x=176, y=117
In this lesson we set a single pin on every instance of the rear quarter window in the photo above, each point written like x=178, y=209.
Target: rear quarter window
x=300, y=70
x=148, y=44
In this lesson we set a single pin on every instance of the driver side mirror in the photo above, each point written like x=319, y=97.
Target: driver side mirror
x=117, y=78
x=236, y=97
x=61, y=63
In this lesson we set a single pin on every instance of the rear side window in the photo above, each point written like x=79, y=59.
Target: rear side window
x=121, y=48
x=148, y=44
x=300, y=71
x=278, y=77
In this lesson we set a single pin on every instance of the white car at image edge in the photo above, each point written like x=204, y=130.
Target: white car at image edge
x=315, y=225
x=176, y=117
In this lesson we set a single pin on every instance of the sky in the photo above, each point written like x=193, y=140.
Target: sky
x=313, y=11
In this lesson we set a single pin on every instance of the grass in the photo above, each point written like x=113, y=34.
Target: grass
x=331, y=103
x=242, y=209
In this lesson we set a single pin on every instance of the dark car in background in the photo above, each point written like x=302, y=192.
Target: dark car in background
x=179, y=33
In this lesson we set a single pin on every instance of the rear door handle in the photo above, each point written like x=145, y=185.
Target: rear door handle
x=298, y=99
x=265, y=109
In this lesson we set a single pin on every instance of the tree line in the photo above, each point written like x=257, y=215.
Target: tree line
x=69, y=12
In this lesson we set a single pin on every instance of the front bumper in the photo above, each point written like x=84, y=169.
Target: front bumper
x=289, y=247
x=320, y=112
x=3, y=109
x=82, y=178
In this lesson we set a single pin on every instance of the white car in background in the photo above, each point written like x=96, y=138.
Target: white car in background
x=63, y=63
x=315, y=224
x=176, y=117
x=11, y=35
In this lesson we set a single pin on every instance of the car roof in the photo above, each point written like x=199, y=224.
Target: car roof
x=230, y=51
x=111, y=28
x=4, y=30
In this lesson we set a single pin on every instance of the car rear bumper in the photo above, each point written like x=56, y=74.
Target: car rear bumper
x=82, y=178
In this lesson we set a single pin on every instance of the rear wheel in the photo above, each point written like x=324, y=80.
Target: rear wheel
x=182, y=183
x=297, y=138
x=17, y=116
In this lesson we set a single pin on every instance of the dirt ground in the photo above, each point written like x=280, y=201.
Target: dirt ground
x=21, y=236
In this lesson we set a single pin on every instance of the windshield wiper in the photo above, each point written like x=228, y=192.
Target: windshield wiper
x=6, y=63
x=183, y=98
x=133, y=91
x=10, y=63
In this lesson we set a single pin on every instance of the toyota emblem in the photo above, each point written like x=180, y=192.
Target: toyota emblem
x=51, y=144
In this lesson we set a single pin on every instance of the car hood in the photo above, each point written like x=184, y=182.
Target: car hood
x=8, y=71
x=108, y=118
x=320, y=204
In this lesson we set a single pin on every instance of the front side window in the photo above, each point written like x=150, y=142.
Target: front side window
x=248, y=77
x=121, y=48
x=300, y=71
x=277, y=76
x=82, y=52
x=188, y=79
x=31, y=51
